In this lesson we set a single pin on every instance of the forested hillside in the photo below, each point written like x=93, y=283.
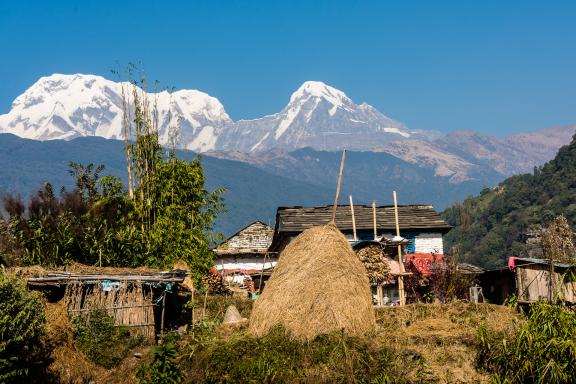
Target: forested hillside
x=490, y=227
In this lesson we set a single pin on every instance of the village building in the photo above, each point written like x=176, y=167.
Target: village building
x=528, y=280
x=421, y=231
x=245, y=253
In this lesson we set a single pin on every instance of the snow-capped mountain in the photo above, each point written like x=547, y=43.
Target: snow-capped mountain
x=317, y=116
x=69, y=106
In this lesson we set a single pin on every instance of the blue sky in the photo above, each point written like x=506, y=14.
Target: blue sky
x=497, y=67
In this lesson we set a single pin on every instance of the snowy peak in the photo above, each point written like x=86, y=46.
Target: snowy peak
x=67, y=106
x=319, y=116
x=319, y=89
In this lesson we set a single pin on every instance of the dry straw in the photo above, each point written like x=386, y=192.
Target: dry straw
x=318, y=286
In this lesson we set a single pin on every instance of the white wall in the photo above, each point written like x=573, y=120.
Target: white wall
x=243, y=264
x=429, y=243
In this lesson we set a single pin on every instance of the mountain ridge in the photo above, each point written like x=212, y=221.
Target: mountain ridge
x=317, y=116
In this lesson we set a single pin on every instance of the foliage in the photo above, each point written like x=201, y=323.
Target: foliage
x=22, y=322
x=542, y=350
x=558, y=241
x=165, y=213
x=445, y=282
x=163, y=368
x=490, y=227
x=100, y=340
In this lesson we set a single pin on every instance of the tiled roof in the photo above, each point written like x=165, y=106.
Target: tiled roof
x=410, y=217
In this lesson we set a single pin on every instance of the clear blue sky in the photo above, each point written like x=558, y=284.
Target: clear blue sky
x=497, y=67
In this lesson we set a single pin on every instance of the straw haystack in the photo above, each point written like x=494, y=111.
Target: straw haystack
x=318, y=286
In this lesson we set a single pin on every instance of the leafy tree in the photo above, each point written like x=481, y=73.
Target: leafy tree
x=558, y=241
x=163, y=215
x=491, y=227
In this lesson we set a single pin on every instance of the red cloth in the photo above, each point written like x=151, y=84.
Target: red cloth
x=423, y=261
x=511, y=261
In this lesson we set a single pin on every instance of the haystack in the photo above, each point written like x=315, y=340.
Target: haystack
x=318, y=286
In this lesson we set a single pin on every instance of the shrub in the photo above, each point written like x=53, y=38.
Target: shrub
x=163, y=369
x=542, y=350
x=100, y=340
x=22, y=323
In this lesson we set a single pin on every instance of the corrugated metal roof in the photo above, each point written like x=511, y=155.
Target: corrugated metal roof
x=410, y=217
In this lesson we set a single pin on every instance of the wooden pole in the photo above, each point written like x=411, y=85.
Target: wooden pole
x=400, y=263
x=379, y=294
x=262, y=274
x=193, y=305
x=204, y=309
x=333, y=221
x=163, y=312
x=374, y=219
x=353, y=219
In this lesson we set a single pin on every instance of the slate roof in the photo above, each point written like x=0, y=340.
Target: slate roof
x=254, y=238
x=410, y=217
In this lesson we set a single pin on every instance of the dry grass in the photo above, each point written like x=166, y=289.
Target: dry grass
x=433, y=342
x=68, y=365
x=318, y=286
x=375, y=262
x=444, y=334
x=38, y=271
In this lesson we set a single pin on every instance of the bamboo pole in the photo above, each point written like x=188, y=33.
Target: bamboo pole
x=163, y=313
x=379, y=294
x=204, y=309
x=333, y=221
x=353, y=219
x=400, y=263
x=193, y=305
x=262, y=273
x=374, y=219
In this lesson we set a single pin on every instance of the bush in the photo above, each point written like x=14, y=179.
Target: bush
x=100, y=340
x=542, y=350
x=163, y=369
x=22, y=323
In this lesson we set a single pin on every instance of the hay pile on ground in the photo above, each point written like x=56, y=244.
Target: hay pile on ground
x=318, y=286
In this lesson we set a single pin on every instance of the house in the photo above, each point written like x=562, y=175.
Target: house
x=246, y=252
x=528, y=279
x=421, y=228
x=421, y=225
x=533, y=282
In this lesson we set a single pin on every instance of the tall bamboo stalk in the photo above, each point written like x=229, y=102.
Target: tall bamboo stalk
x=400, y=262
x=333, y=221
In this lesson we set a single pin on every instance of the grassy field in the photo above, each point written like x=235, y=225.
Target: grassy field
x=418, y=343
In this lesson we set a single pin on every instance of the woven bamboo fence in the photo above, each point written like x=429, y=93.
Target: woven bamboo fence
x=130, y=304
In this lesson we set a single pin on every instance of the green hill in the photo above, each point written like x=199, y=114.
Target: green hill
x=489, y=228
x=251, y=194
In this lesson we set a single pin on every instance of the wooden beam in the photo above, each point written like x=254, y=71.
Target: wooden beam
x=333, y=221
